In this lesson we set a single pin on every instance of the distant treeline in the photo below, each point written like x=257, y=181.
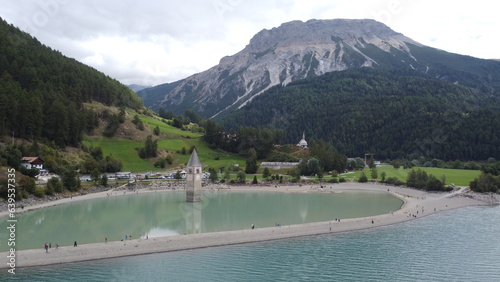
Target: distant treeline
x=42, y=92
x=395, y=114
x=258, y=143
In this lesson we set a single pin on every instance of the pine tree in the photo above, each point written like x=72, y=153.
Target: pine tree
x=266, y=173
x=254, y=181
x=251, y=162
x=374, y=173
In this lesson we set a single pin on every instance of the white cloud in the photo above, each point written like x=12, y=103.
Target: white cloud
x=151, y=42
x=94, y=60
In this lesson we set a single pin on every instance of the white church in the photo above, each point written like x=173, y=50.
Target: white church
x=303, y=143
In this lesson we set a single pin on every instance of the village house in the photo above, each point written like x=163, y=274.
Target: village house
x=32, y=162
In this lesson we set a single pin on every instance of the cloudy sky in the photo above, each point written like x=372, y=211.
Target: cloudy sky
x=150, y=42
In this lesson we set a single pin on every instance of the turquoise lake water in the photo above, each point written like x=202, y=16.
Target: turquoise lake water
x=165, y=214
x=458, y=245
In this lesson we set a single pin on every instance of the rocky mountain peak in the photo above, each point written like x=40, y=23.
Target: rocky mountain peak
x=320, y=31
x=292, y=51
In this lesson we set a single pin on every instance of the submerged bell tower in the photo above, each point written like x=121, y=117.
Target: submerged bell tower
x=193, y=178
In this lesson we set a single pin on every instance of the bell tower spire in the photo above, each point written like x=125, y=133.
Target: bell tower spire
x=193, y=178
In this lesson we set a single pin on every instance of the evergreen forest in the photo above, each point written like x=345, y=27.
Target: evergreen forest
x=393, y=113
x=42, y=92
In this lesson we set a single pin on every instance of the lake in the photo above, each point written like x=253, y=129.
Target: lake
x=167, y=213
x=457, y=245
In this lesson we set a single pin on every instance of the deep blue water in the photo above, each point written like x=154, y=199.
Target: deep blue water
x=459, y=245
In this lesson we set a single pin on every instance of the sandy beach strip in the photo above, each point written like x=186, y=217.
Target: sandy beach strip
x=416, y=205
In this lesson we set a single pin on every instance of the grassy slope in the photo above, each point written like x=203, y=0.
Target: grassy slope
x=460, y=177
x=171, y=139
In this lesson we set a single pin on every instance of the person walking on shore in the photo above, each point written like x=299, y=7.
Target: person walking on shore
x=75, y=244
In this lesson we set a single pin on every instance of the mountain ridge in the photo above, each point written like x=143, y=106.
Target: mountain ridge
x=298, y=50
x=136, y=87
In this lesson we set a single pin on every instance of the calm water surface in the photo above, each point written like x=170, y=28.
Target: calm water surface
x=459, y=245
x=165, y=214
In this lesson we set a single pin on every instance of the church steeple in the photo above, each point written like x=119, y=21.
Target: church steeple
x=303, y=142
x=194, y=160
x=193, y=178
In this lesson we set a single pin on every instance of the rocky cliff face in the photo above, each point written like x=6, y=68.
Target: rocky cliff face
x=295, y=50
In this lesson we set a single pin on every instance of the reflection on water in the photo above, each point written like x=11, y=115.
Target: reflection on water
x=160, y=232
x=166, y=214
x=192, y=217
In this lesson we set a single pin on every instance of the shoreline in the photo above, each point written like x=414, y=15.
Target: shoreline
x=417, y=204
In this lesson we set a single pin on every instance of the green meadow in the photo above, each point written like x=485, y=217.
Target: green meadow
x=171, y=139
x=459, y=177
x=168, y=130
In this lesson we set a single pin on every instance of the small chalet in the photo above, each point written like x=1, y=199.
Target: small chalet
x=32, y=162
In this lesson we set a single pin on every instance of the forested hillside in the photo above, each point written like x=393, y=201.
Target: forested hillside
x=298, y=50
x=42, y=92
x=391, y=113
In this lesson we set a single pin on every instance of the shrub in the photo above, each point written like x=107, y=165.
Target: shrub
x=104, y=180
x=138, y=123
x=266, y=173
x=70, y=180
x=254, y=181
x=334, y=180
x=485, y=183
x=160, y=163
x=363, y=178
x=169, y=159
x=29, y=172
x=39, y=192
x=420, y=180
x=27, y=184
x=241, y=176
x=394, y=181
x=54, y=185
x=49, y=190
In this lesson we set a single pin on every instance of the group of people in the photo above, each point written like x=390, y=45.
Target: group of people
x=48, y=246
x=129, y=237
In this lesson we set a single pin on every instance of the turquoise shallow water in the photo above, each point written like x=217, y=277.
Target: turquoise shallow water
x=459, y=245
x=165, y=214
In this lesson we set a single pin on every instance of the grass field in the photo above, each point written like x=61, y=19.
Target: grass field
x=171, y=139
x=126, y=151
x=167, y=130
x=460, y=177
